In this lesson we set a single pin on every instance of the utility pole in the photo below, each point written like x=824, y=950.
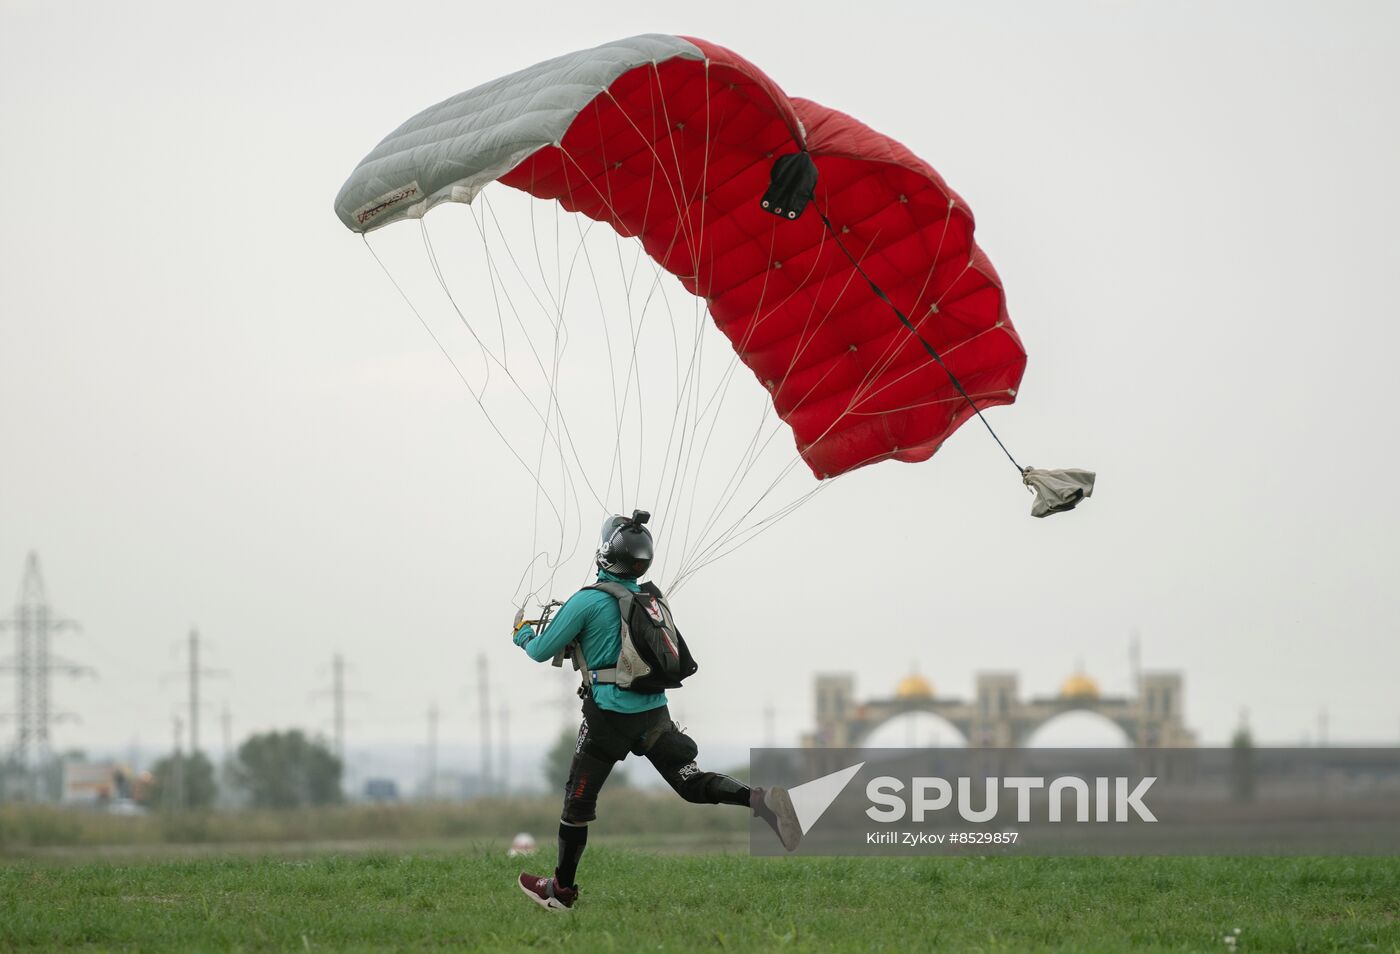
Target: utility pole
x=338, y=692
x=193, y=673
x=226, y=722
x=175, y=798
x=432, y=783
x=338, y=696
x=225, y=773
x=504, y=774
x=194, y=690
x=34, y=624
x=483, y=690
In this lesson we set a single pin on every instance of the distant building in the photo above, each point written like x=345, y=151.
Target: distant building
x=997, y=716
x=381, y=790
x=95, y=784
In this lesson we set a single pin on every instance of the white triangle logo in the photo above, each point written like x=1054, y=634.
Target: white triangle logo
x=810, y=800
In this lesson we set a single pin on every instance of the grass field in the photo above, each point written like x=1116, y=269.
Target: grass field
x=643, y=901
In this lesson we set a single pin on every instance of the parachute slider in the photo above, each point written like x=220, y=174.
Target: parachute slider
x=791, y=185
x=1057, y=490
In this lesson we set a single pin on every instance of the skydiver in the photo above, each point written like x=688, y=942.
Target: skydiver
x=617, y=722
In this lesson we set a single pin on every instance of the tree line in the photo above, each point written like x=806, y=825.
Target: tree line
x=270, y=770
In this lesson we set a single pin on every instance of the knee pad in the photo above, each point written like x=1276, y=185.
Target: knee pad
x=672, y=749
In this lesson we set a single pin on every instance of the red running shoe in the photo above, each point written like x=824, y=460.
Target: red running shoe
x=547, y=894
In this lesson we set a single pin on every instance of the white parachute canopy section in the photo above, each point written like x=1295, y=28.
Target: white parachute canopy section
x=449, y=152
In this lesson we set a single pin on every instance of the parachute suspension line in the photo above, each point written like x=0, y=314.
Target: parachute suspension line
x=680, y=417
x=558, y=343
x=880, y=294
x=493, y=271
x=467, y=384
x=602, y=310
x=749, y=535
x=863, y=394
x=635, y=324
x=539, y=456
x=607, y=342
x=751, y=455
x=686, y=401
x=686, y=398
x=564, y=283
x=684, y=380
x=442, y=281
x=697, y=251
x=553, y=419
x=891, y=352
x=736, y=535
x=568, y=486
x=566, y=433
x=744, y=534
x=754, y=450
x=558, y=298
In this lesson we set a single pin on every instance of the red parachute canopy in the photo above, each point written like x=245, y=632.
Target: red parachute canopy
x=678, y=151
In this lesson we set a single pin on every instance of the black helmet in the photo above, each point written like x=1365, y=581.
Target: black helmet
x=624, y=546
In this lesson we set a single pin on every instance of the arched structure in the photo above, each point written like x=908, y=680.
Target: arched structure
x=997, y=716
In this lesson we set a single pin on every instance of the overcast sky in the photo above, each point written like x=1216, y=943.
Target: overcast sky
x=216, y=410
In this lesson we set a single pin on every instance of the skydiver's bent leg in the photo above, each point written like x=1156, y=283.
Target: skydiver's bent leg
x=673, y=754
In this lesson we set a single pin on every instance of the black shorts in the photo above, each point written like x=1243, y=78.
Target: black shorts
x=606, y=738
x=611, y=736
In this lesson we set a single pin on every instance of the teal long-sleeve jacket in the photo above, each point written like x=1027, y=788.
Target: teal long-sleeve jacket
x=591, y=617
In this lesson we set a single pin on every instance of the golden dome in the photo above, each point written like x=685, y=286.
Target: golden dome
x=1079, y=686
x=914, y=686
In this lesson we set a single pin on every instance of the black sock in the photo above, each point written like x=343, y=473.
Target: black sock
x=572, y=838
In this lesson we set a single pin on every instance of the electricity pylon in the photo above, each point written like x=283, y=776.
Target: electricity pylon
x=34, y=665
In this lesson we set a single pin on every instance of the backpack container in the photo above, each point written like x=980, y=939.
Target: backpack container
x=654, y=655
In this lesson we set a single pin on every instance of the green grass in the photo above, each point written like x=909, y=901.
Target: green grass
x=635, y=901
